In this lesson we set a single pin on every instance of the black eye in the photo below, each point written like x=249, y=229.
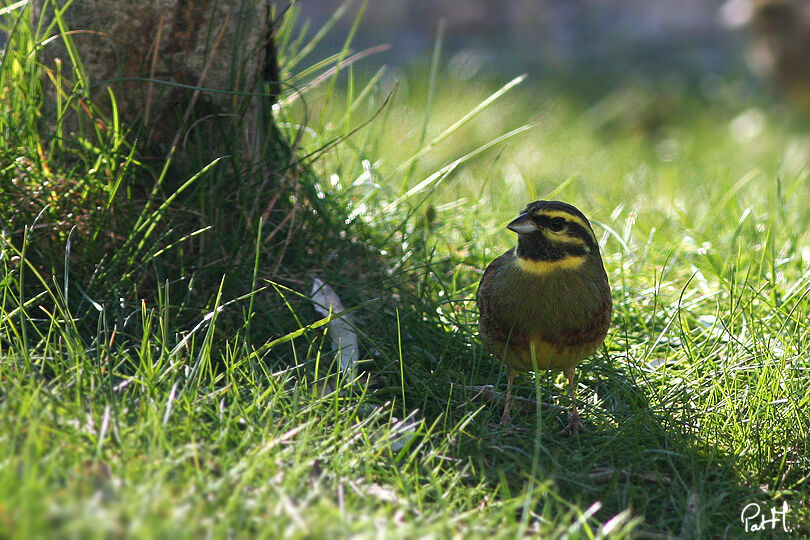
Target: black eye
x=556, y=224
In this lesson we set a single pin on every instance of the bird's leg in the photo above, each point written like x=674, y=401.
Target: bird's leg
x=506, y=420
x=574, y=423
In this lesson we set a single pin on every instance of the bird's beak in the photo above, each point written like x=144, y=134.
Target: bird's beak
x=522, y=224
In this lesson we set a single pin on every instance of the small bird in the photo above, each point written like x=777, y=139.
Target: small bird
x=545, y=304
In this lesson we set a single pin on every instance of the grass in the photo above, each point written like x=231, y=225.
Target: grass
x=175, y=413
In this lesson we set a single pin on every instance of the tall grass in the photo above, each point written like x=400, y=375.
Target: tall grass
x=176, y=385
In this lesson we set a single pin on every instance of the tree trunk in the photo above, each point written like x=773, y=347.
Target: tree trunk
x=173, y=66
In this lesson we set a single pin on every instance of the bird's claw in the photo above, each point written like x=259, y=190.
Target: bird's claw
x=574, y=425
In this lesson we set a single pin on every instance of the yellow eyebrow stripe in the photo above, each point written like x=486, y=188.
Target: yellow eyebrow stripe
x=541, y=268
x=568, y=217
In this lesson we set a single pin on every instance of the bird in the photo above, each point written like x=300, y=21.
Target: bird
x=545, y=304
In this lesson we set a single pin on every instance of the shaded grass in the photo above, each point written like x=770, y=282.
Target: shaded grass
x=213, y=423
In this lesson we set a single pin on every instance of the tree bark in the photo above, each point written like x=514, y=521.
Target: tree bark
x=173, y=66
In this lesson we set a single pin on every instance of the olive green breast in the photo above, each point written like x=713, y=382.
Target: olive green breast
x=563, y=315
x=553, y=303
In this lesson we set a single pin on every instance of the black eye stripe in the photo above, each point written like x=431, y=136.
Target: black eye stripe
x=556, y=223
x=582, y=233
x=574, y=228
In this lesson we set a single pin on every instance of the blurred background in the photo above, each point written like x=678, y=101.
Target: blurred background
x=549, y=35
x=601, y=41
x=611, y=84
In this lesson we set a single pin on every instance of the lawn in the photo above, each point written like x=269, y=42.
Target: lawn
x=156, y=391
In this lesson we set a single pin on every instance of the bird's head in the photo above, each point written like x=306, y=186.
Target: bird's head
x=553, y=236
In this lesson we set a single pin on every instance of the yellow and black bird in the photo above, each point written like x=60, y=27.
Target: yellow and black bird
x=545, y=304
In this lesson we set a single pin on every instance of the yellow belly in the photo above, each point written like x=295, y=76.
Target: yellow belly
x=539, y=354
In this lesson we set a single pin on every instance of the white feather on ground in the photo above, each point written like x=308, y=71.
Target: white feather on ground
x=344, y=338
